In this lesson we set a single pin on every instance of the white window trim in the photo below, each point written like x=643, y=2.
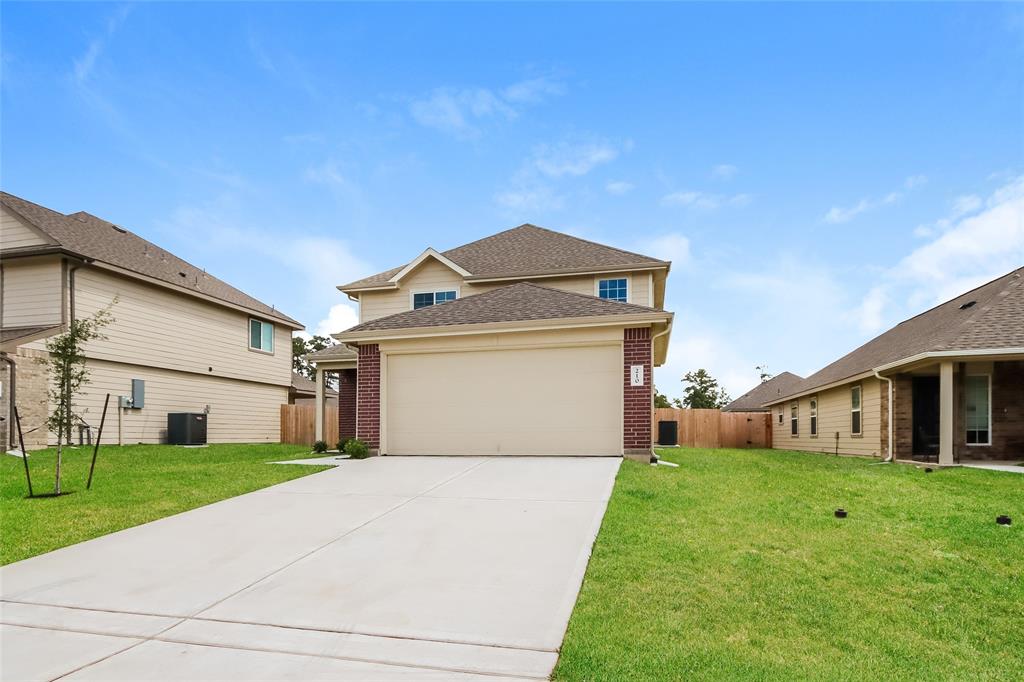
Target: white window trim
x=434, y=290
x=859, y=410
x=794, y=418
x=812, y=415
x=988, y=377
x=629, y=285
x=248, y=335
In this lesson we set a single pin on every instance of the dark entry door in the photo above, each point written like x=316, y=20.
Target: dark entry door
x=926, y=417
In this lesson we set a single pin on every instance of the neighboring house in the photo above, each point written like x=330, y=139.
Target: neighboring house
x=527, y=342
x=195, y=342
x=303, y=391
x=754, y=400
x=949, y=381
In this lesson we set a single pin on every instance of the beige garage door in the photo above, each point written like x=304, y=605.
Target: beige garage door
x=550, y=401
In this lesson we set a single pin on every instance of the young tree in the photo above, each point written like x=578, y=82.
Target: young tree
x=68, y=374
x=703, y=391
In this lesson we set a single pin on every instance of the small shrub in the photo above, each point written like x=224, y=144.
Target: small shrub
x=356, y=449
x=320, y=447
x=342, y=443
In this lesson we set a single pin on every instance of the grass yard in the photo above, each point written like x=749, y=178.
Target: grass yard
x=132, y=485
x=733, y=567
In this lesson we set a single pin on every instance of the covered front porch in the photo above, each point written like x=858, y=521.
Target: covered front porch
x=958, y=409
x=339, y=361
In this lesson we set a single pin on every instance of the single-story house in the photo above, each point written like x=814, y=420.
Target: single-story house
x=527, y=342
x=946, y=385
x=303, y=391
x=181, y=340
x=754, y=400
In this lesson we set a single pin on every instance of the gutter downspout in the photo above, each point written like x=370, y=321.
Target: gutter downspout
x=668, y=328
x=12, y=405
x=890, y=457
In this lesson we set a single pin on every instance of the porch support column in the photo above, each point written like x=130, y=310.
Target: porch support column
x=319, y=412
x=946, y=413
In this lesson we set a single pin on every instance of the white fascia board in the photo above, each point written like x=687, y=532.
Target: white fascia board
x=429, y=253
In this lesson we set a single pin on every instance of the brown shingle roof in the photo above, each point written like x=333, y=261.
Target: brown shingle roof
x=513, y=303
x=527, y=250
x=303, y=387
x=991, y=316
x=336, y=352
x=754, y=399
x=96, y=239
x=8, y=334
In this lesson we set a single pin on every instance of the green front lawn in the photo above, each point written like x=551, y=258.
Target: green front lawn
x=132, y=485
x=733, y=566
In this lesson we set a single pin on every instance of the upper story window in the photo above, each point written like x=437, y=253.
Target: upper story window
x=978, y=408
x=613, y=289
x=794, y=419
x=261, y=335
x=427, y=298
x=855, y=411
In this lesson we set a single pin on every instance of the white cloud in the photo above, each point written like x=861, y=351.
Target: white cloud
x=840, y=214
x=869, y=313
x=461, y=111
x=968, y=203
x=569, y=158
x=533, y=90
x=84, y=65
x=915, y=181
x=673, y=246
x=724, y=171
x=704, y=200
x=326, y=173
x=837, y=214
x=971, y=251
x=618, y=187
x=529, y=199
x=340, y=317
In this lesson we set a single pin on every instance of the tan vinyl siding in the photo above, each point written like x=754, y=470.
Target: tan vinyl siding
x=31, y=292
x=240, y=411
x=431, y=275
x=15, y=234
x=161, y=328
x=834, y=414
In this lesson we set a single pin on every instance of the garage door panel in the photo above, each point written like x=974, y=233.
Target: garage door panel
x=524, y=401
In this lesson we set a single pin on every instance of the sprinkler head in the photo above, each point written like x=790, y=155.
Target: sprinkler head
x=1003, y=520
x=840, y=513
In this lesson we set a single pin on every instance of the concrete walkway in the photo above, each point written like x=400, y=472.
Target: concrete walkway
x=380, y=569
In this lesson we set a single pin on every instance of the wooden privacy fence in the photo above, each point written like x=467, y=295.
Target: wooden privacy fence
x=717, y=429
x=298, y=424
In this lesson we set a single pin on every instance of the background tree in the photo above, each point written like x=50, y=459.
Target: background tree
x=763, y=371
x=68, y=374
x=702, y=391
x=660, y=400
x=300, y=347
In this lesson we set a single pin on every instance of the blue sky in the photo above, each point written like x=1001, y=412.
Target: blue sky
x=816, y=172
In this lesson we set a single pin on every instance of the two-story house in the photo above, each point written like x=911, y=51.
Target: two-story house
x=190, y=342
x=527, y=342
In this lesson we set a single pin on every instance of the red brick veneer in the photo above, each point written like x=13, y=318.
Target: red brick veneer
x=368, y=395
x=347, y=403
x=636, y=400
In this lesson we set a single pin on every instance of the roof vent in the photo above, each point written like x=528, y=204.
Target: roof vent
x=119, y=229
x=967, y=305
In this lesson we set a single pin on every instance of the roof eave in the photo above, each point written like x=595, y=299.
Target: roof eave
x=506, y=327
x=588, y=270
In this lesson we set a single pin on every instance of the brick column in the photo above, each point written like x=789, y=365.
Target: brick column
x=346, y=403
x=637, y=402
x=368, y=395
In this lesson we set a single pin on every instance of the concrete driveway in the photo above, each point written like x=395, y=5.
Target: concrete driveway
x=413, y=568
